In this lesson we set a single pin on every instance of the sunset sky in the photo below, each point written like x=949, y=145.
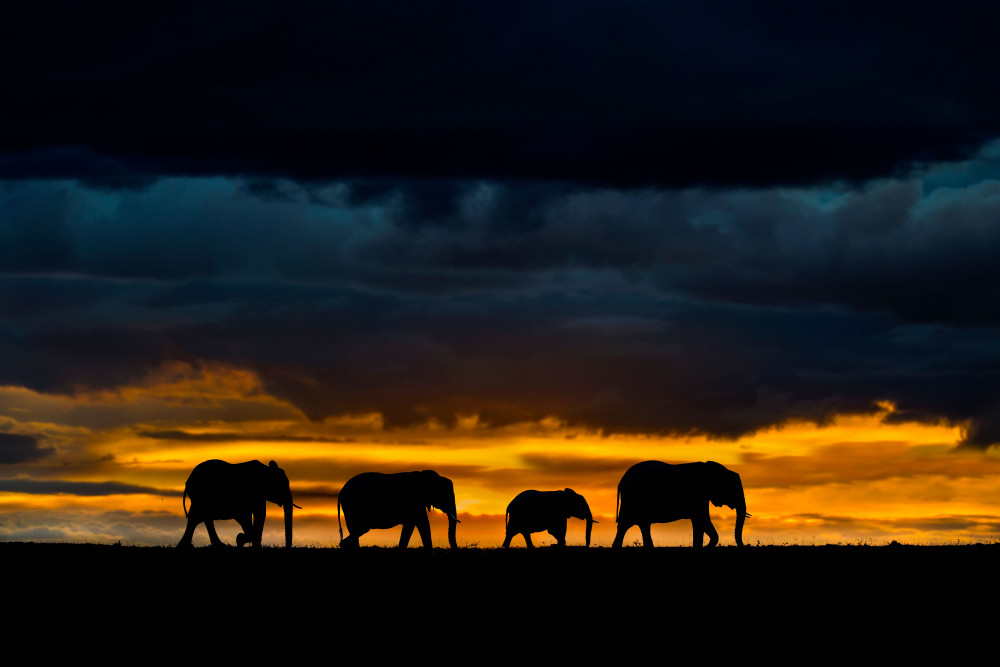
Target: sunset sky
x=525, y=245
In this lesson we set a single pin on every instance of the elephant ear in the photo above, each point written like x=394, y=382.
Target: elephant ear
x=712, y=481
x=430, y=480
x=569, y=502
x=735, y=486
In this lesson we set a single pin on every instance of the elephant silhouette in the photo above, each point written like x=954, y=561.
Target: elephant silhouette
x=657, y=492
x=534, y=511
x=379, y=500
x=240, y=491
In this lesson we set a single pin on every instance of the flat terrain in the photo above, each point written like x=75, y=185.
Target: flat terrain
x=889, y=602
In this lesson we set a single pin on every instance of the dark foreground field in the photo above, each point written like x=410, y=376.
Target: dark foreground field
x=489, y=605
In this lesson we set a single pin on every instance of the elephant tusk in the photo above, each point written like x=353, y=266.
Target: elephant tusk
x=454, y=518
x=296, y=506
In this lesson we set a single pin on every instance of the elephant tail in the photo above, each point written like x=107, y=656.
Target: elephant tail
x=338, y=519
x=618, y=500
x=184, y=501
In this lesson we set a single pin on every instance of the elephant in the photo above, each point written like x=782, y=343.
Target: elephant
x=534, y=511
x=657, y=492
x=379, y=500
x=240, y=491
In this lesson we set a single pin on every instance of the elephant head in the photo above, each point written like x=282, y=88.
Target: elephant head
x=724, y=488
x=439, y=492
x=278, y=491
x=577, y=507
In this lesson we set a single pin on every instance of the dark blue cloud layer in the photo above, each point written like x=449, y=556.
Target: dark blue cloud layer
x=49, y=487
x=631, y=93
x=635, y=217
x=716, y=311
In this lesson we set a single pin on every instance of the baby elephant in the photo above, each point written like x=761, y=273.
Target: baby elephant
x=535, y=511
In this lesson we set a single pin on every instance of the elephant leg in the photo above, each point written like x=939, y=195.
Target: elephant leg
x=697, y=534
x=424, y=529
x=351, y=541
x=559, y=532
x=212, y=535
x=259, y=515
x=620, y=535
x=404, y=537
x=507, y=539
x=247, y=525
x=192, y=523
x=527, y=540
x=647, y=536
x=713, y=535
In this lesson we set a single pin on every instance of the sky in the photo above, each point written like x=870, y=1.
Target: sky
x=526, y=245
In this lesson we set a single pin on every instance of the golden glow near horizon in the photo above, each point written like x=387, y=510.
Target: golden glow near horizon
x=112, y=467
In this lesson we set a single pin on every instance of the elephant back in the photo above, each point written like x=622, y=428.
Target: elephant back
x=658, y=492
x=521, y=500
x=378, y=500
x=537, y=510
x=224, y=488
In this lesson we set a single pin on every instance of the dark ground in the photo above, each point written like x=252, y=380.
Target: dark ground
x=489, y=605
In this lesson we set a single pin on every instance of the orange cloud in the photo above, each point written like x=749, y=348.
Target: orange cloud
x=854, y=478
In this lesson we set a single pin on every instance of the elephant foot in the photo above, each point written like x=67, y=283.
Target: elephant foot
x=185, y=544
x=241, y=539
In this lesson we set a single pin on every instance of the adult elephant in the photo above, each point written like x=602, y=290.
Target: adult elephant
x=378, y=500
x=657, y=492
x=240, y=491
x=534, y=511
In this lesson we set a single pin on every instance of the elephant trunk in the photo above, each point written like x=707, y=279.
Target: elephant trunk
x=288, y=523
x=590, y=526
x=741, y=516
x=452, y=529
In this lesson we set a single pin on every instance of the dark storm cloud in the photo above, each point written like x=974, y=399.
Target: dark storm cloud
x=721, y=371
x=235, y=437
x=19, y=448
x=48, y=487
x=634, y=217
x=623, y=93
x=716, y=311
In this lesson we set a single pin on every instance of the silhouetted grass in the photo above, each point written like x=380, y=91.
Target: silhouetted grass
x=562, y=603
